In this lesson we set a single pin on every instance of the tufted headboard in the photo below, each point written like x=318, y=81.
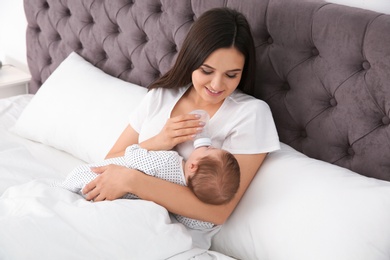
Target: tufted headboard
x=323, y=68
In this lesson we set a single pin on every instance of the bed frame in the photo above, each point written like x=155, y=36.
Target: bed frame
x=323, y=68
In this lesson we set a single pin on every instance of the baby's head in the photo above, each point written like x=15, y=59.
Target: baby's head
x=213, y=175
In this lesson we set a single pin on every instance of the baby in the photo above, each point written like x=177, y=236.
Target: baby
x=212, y=174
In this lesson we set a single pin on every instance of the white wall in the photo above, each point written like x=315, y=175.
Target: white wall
x=13, y=27
x=13, y=33
x=382, y=6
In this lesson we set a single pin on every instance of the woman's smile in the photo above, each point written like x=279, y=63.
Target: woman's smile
x=219, y=75
x=213, y=92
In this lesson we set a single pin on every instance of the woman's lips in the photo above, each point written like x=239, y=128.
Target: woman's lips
x=212, y=92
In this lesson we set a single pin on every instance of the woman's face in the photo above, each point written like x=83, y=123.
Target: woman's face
x=219, y=75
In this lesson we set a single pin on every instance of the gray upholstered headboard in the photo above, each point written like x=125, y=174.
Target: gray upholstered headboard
x=323, y=68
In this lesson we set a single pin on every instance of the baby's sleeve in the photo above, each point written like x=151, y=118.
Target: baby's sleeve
x=82, y=175
x=149, y=162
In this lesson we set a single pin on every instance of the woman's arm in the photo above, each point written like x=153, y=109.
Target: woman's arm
x=166, y=194
x=128, y=137
x=115, y=181
x=176, y=130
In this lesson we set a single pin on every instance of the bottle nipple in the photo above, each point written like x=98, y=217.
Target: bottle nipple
x=202, y=138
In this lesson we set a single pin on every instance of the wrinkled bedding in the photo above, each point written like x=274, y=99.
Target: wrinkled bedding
x=41, y=221
x=35, y=215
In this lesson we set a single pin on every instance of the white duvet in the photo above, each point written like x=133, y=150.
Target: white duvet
x=53, y=223
x=40, y=221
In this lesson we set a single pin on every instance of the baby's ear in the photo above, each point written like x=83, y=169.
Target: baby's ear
x=193, y=167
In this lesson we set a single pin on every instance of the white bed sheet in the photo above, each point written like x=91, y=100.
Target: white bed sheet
x=10, y=109
x=45, y=222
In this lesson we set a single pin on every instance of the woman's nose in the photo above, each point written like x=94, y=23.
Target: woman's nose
x=216, y=83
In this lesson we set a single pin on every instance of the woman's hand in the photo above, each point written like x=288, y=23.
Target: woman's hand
x=176, y=130
x=112, y=183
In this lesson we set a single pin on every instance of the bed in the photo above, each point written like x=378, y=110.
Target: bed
x=323, y=69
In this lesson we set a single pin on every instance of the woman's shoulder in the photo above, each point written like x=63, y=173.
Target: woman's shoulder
x=166, y=93
x=238, y=99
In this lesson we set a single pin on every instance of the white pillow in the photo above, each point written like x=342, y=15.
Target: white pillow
x=79, y=109
x=299, y=208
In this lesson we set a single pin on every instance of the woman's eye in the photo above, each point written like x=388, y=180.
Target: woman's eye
x=231, y=76
x=207, y=72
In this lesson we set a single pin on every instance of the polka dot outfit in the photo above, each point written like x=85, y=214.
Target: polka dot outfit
x=166, y=165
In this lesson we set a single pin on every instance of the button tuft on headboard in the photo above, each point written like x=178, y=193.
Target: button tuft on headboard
x=174, y=48
x=350, y=151
x=385, y=120
x=333, y=102
x=366, y=65
x=79, y=46
x=286, y=86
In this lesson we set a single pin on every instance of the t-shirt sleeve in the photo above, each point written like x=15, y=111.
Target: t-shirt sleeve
x=253, y=130
x=137, y=117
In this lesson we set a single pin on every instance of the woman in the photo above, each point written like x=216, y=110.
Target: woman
x=214, y=67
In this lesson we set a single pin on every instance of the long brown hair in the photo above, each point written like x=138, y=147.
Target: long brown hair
x=216, y=28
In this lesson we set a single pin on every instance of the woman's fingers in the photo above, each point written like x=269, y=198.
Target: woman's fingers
x=99, y=197
x=185, y=117
x=184, y=121
x=99, y=170
x=90, y=190
x=96, y=193
x=109, y=185
x=183, y=126
x=187, y=132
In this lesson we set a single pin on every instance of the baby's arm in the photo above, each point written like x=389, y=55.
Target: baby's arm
x=81, y=175
x=148, y=162
x=193, y=223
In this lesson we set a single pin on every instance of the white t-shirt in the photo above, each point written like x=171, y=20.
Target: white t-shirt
x=242, y=125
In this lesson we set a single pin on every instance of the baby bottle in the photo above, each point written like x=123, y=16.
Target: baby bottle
x=202, y=138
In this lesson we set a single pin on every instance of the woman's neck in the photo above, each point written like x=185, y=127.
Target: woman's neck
x=196, y=102
x=191, y=101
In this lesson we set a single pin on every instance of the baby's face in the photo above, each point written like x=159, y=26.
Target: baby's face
x=193, y=160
